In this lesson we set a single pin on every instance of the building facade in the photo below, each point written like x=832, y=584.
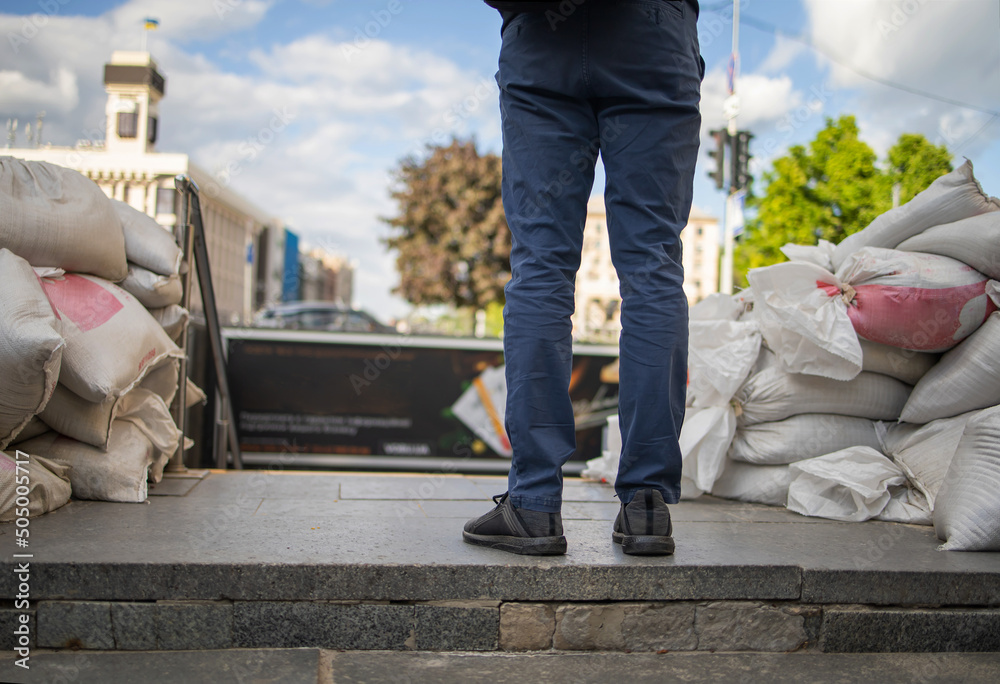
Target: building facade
x=598, y=299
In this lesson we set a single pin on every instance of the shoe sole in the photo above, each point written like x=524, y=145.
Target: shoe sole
x=525, y=546
x=644, y=544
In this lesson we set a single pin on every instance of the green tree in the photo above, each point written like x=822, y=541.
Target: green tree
x=914, y=163
x=450, y=234
x=831, y=189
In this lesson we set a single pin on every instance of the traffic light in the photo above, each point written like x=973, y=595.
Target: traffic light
x=721, y=137
x=740, y=177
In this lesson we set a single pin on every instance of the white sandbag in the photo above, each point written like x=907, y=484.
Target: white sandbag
x=716, y=307
x=142, y=441
x=800, y=437
x=773, y=395
x=974, y=241
x=763, y=484
x=154, y=291
x=604, y=468
x=38, y=487
x=150, y=414
x=111, y=340
x=163, y=380
x=704, y=440
x=906, y=505
x=801, y=323
x=903, y=364
x=967, y=514
x=965, y=379
x=952, y=197
x=174, y=321
x=90, y=422
x=812, y=318
x=820, y=254
x=196, y=395
x=721, y=354
x=147, y=243
x=31, y=346
x=924, y=452
x=35, y=427
x=850, y=485
x=53, y=216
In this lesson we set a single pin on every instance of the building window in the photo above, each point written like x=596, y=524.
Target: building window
x=128, y=124
x=151, y=129
x=166, y=199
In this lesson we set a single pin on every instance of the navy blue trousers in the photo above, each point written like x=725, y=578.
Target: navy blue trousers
x=621, y=78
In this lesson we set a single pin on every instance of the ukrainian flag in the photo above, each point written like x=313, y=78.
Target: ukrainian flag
x=150, y=23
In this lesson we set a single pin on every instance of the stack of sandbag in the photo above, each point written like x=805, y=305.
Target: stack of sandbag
x=913, y=300
x=81, y=354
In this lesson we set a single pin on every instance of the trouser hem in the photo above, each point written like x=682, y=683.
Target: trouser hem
x=537, y=503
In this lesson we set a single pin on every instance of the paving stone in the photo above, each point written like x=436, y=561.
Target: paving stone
x=298, y=624
x=589, y=627
x=193, y=625
x=10, y=620
x=134, y=626
x=659, y=626
x=234, y=666
x=911, y=630
x=75, y=624
x=748, y=626
x=527, y=626
x=414, y=487
x=651, y=668
x=471, y=627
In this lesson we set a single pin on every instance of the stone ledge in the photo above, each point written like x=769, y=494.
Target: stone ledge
x=856, y=629
x=901, y=588
x=412, y=582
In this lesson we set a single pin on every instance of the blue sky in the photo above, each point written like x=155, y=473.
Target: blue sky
x=366, y=82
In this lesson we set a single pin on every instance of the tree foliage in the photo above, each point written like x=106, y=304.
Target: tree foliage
x=833, y=188
x=450, y=234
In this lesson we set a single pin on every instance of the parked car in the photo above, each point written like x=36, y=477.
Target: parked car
x=319, y=316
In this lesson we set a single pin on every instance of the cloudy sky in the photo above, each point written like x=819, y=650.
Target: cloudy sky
x=366, y=82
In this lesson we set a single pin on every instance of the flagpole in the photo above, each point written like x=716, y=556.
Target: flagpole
x=732, y=111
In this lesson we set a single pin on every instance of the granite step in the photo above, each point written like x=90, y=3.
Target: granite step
x=253, y=559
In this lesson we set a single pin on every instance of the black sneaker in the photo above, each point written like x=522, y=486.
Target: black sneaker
x=518, y=530
x=643, y=526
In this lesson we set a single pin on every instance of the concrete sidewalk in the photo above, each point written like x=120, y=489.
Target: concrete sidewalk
x=253, y=560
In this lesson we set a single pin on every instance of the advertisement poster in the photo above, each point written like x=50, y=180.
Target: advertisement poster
x=392, y=395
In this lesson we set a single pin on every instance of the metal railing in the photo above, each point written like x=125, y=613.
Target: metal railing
x=191, y=236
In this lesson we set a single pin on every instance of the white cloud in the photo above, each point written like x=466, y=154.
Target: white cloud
x=783, y=54
x=19, y=92
x=936, y=47
x=763, y=99
x=184, y=20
